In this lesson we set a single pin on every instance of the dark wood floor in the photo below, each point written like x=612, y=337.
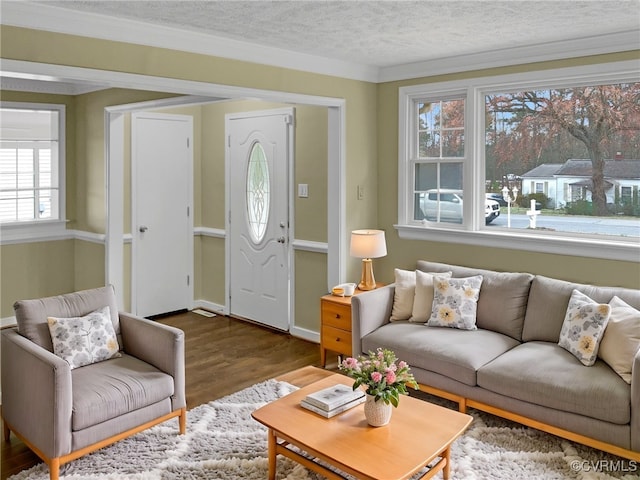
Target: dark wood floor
x=223, y=355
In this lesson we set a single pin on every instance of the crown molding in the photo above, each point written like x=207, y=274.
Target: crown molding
x=595, y=45
x=60, y=20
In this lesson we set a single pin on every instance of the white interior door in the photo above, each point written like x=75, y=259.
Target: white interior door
x=162, y=226
x=259, y=148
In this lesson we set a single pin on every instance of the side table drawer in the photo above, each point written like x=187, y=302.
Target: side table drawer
x=336, y=340
x=335, y=315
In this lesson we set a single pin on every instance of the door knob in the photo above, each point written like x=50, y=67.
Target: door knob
x=280, y=239
x=143, y=228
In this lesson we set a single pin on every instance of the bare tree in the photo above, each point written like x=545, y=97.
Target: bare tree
x=602, y=118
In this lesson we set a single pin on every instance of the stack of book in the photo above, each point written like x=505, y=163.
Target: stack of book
x=333, y=400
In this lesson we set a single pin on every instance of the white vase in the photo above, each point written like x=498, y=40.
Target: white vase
x=377, y=413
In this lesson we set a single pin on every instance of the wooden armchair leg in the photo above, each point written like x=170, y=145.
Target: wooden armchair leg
x=54, y=468
x=182, y=421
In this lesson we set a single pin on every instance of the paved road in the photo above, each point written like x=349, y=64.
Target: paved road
x=606, y=225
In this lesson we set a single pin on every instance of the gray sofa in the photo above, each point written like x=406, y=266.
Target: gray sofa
x=512, y=365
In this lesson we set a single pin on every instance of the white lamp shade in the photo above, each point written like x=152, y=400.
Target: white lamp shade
x=368, y=244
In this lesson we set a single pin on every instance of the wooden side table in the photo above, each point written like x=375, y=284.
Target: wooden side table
x=335, y=329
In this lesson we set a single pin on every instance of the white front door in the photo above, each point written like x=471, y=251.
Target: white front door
x=259, y=149
x=162, y=226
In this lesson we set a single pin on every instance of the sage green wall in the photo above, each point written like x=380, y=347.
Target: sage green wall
x=404, y=253
x=88, y=274
x=33, y=270
x=309, y=288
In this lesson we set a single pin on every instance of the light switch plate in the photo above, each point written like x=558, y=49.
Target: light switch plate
x=303, y=190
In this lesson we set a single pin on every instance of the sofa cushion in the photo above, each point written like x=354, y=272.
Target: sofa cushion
x=583, y=327
x=405, y=287
x=31, y=315
x=621, y=340
x=84, y=340
x=554, y=378
x=454, y=353
x=455, y=302
x=108, y=389
x=503, y=296
x=549, y=299
x=423, y=300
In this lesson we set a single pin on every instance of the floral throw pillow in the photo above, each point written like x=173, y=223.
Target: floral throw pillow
x=455, y=302
x=583, y=327
x=84, y=340
x=423, y=299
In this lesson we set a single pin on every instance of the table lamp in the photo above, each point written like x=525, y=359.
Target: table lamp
x=367, y=244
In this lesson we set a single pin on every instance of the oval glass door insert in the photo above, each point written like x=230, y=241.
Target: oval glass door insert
x=258, y=193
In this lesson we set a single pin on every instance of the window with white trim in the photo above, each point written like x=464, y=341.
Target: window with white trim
x=438, y=160
x=31, y=163
x=506, y=133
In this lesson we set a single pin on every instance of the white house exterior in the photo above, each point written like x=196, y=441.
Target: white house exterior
x=571, y=181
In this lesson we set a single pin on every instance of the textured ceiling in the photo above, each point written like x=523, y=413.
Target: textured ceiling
x=382, y=33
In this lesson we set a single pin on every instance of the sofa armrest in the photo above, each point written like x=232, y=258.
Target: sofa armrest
x=159, y=345
x=635, y=403
x=369, y=311
x=36, y=394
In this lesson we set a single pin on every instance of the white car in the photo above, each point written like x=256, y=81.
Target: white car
x=448, y=207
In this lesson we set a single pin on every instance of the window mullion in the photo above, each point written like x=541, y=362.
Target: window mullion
x=36, y=183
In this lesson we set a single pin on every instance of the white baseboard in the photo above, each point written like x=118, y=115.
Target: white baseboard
x=299, y=332
x=212, y=307
x=305, y=334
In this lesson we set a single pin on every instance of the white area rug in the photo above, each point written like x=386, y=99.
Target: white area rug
x=224, y=442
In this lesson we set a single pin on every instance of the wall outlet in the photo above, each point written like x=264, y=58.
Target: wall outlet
x=303, y=190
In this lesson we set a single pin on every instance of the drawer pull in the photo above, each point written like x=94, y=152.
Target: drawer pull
x=337, y=315
x=338, y=339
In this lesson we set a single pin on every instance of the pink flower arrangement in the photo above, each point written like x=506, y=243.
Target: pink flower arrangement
x=381, y=373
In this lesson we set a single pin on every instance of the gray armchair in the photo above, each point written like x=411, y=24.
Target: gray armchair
x=63, y=413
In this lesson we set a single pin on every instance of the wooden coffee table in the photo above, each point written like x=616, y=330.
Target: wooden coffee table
x=419, y=432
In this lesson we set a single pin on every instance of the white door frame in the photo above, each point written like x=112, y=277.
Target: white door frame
x=337, y=238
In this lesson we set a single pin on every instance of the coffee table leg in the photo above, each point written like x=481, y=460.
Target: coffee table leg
x=447, y=466
x=272, y=454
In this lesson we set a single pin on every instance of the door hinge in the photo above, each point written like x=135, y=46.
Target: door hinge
x=188, y=211
x=229, y=216
x=288, y=119
x=187, y=142
x=188, y=280
x=229, y=141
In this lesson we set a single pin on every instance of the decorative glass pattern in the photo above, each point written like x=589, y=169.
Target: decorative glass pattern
x=258, y=193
